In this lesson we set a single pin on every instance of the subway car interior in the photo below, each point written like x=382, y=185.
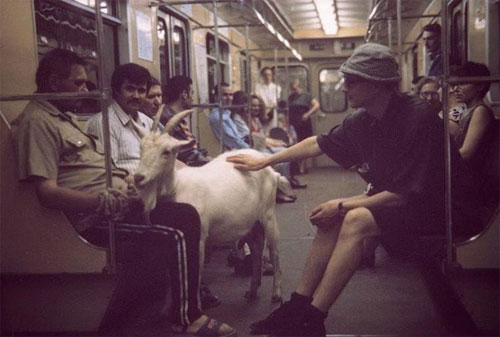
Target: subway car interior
x=55, y=282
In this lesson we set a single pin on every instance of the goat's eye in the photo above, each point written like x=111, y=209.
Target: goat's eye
x=166, y=152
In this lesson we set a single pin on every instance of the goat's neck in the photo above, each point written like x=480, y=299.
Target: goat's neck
x=168, y=188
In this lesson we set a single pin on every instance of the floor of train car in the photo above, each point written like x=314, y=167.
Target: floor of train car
x=392, y=298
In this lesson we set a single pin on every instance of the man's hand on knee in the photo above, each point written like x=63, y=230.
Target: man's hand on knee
x=326, y=214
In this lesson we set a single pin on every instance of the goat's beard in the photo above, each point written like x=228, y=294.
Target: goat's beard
x=148, y=195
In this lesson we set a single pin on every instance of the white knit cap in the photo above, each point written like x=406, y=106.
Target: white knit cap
x=373, y=62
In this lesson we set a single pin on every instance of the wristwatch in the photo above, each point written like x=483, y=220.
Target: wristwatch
x=341, y=209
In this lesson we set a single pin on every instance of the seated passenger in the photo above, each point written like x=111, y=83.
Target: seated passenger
x=396, y=143
x=477, y=136
x=232, y=139
x=66, y=166
x=428, y=90
x=153, y=99
x=179, y=97
x=125, y=141
x=242, y=119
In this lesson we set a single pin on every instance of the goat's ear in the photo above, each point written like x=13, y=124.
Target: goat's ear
x=140, y=130
x=184, y=144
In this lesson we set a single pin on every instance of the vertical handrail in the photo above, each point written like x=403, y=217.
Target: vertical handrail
x=400, y=52
x=105, y=127
x=287, y=93
x=447, y=156
x=389, y=32
x=218, y=74
x=249, y=101
x=275, y=76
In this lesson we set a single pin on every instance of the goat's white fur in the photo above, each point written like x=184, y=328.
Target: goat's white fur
x=229, y=201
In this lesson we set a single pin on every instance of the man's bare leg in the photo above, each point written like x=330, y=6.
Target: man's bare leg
x=357, y=226
x=318, y=257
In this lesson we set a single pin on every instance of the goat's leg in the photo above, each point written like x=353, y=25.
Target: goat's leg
x=271, y=230
x=255, y=240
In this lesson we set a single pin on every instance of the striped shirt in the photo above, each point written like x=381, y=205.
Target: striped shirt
x=125, y=142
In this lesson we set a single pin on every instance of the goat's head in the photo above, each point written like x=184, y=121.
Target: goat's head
x=158, y=154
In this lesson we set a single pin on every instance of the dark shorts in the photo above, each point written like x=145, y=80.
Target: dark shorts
x=398, y=231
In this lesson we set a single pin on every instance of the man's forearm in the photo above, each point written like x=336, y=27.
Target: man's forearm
x=377, y=201
x=305, y=149
x=65, y=199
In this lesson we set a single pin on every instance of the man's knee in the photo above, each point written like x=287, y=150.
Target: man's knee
x=358, y=224
x=181, y=216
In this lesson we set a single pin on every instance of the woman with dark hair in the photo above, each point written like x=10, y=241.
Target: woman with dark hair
x=477, y=135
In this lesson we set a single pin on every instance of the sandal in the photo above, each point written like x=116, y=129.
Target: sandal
x=210, y=328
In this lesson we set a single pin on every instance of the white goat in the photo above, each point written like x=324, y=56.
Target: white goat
x=230, y=202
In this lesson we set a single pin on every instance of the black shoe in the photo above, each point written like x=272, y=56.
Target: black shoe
x=276, y=321
x=296, y=183
x=311, y=323
x=281, y=199
x=208, y=300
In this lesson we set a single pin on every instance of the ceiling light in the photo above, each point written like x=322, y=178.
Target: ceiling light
x=326, y=13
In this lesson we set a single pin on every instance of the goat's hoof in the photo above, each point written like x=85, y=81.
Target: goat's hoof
x=251, y=295
x=276, y=299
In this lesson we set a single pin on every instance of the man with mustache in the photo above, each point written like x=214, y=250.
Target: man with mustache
x=129, y=83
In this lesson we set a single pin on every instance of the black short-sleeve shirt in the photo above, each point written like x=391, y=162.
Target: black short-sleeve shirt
x=403, y=153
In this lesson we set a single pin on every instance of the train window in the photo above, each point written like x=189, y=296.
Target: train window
x=331, y=97
x=212, y=64
x=172, y=45
x=63, y=25
x=179, y=49
x=294, y=72
x=107, y=6
x=458, y=36
x=163, y=49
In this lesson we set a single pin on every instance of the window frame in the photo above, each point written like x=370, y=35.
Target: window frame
x=322, y=107
x=224, y=49
x=172, y=21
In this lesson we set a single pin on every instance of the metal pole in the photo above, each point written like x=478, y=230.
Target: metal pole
x=185, y=2
x=275, y=72
x=389, y=32
x=106, y=135
x=400, y=54
x=218, y=75
x=444, y=84
x=287, y=81
x=229, y=26
x=48, y=96
x=249, y=89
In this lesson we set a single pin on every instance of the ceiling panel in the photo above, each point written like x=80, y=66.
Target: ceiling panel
x=351, y=13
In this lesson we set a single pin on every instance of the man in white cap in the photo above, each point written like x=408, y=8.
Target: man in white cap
x=396, y=143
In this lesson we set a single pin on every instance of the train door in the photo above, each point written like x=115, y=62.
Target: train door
x=173, y=46
x=326, y=87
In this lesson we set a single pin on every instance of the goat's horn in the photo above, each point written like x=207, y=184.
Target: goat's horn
x=156, y=121
x=176, y=119
x=140, y=130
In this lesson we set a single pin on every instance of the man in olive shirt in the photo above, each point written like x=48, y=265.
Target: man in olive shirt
x=66, y=165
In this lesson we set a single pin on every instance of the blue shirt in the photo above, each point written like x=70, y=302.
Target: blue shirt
x=231, y=136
